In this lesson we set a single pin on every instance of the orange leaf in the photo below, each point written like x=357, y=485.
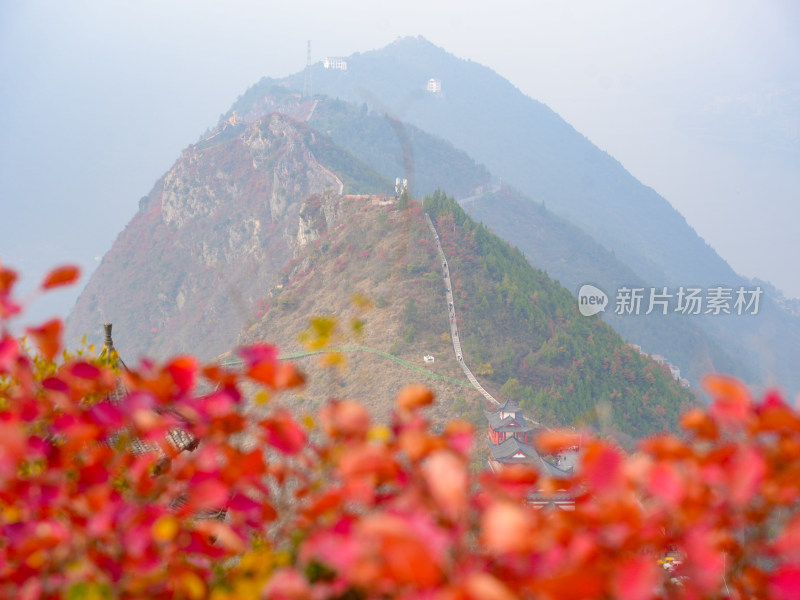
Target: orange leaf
x=346, y=418
x=482, y=586
x=698, y=421
x=447, y=480
x=405, y=556
x=48, y=338
x=263, y=372
x=368, y=460
x=732, y=403
x=59, y=276
x=7, y=279
x=223, y=535
x=506, y=528
x=553, y=442
x=287, y=376
x=413, y=396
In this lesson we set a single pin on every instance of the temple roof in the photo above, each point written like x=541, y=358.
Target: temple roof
x=512, y=448
x=510, y=405
x=498, y=424
x=514, y=451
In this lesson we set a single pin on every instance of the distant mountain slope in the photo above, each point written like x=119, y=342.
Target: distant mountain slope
x=212, y=236
x=517, y=324
x=574, y=258
x=392, y=147
x=549, y=242
x=531, y=147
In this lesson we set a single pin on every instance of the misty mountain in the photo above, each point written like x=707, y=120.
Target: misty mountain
x=212, y=237
x=549, y=242
x=528, y=145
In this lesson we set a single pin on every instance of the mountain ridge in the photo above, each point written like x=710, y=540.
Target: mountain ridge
x=531, y=147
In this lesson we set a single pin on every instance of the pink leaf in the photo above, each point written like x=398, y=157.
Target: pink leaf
x=785, y=583
x=447, y=480
x=635, y=579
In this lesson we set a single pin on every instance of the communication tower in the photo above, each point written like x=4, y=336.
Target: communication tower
x=307, y=92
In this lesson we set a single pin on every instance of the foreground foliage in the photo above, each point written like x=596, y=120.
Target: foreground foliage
x=99, y=500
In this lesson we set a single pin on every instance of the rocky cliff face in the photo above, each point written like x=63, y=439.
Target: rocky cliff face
x=208, y=242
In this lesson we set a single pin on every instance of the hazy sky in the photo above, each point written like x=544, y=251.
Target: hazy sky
x=699, y=100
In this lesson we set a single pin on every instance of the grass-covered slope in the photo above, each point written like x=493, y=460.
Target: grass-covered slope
x=516, y=323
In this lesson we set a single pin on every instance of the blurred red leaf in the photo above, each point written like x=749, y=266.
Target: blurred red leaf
x=602, y=468
x=208, y=495
x=785, y=583
x=284, y=433
x=787, y=544
x=258, y=353
x=666, y=484
x=84, y=370
x=286, y=584
x=59, y=276
x=8, y=353
x=635, y=579
x=183, y=370
x=732, y=403
x=746, y=475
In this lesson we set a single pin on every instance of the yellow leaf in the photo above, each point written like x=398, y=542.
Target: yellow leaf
x=165, y=528
x=323, y=326
x=334, y=359
x=379, y=433
x=191, y=586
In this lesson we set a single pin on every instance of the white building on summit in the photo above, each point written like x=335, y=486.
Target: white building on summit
x=336, y=64
x=434, y=86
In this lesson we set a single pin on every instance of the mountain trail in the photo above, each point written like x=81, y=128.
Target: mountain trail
x=451, y=313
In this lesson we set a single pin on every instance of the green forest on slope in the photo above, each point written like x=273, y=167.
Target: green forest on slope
x=522, y=331
x=573, y=258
